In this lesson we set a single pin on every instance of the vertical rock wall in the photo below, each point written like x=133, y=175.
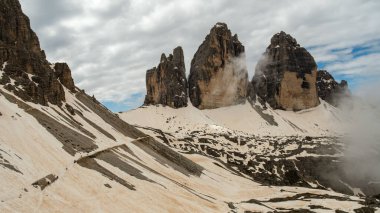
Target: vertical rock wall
x=26, y=72
x=167, y=84
x=285, y=77
x=218, y=74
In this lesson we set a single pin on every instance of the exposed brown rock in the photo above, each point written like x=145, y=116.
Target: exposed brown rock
x=330, y=90
x=218, y=74
x=45, y=181
x=167, y=84
x=63, y=72
x=24, y=61
x=285, y=77
x=70, y=109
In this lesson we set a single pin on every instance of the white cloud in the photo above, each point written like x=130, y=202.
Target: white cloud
x=110, y=44
x=356, y=66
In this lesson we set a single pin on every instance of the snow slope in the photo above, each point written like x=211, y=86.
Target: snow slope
x=323, y=120
x=108, y=166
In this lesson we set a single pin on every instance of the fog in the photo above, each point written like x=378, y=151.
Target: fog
x=228, y=86
x=362, y=154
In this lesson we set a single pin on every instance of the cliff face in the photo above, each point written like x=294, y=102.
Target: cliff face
x=63, y=73
x=25, y=70
x=330, y=90
x=218, y=74
x=167, y=84
x=285, y=77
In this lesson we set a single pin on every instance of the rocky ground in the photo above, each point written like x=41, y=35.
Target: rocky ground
x=272, y=160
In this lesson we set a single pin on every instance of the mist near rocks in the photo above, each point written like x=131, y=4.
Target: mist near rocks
x=361, y=161
x=231, y=82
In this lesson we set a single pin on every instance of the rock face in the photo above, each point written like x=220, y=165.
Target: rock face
x=167, y=84
x=218, y=74
x=25, y=70
x=63, y=73
x=330, y=90
x=285, y=77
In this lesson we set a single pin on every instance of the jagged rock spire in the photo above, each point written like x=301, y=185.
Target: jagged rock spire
x=218, y=74
x=167, y=84
x=285, y=77
x=330, y=90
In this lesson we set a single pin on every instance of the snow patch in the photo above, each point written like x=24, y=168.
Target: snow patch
x=218, y=25
x=2, y=68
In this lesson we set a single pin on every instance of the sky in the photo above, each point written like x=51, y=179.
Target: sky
x=109, y=45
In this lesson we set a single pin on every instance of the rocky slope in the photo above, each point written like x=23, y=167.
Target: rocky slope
x=330, y=90
x=273, y=147
x=167, y=84
x=285, y=77
x=218, y=75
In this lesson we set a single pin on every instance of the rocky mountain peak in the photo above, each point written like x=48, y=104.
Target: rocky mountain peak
x=15, y=27
x=220, y=29
x=167, y=84
x=25, y=70
x=218, y=74
x=284, y=40
x=330, y=90
x=178, y=57
x=285, y=76
x=291, y=55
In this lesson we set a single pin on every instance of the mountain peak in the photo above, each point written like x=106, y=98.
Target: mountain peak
x=218, y=75
x=220, y=25
x=167, y=83
x=285, y=76
x=283, y=39
x=330, y=90
x=27, y=72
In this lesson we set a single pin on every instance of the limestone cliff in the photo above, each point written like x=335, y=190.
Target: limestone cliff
x=25, y=70
x=330, y=90
x=167, y=84
x=218, y=74
x=63, y=73
x=285, y=77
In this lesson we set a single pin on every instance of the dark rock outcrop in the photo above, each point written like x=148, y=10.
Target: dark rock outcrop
x=63, y=73
x=45, y=181
x=27, y=73
x=330, y=90
x=285, y=77
x=218, y=74
x=167, y=84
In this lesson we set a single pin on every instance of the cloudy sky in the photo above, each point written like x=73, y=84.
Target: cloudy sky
x=109, y=45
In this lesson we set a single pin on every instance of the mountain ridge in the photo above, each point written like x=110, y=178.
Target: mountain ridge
x=286, y=76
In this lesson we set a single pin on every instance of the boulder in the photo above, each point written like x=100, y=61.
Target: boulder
x=167, y=84
x=218, y=75
x=285, y=76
